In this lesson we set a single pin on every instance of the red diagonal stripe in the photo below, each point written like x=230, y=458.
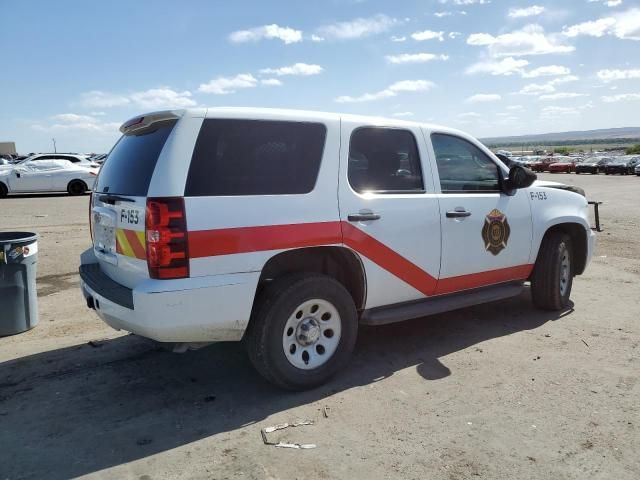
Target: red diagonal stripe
x=388, y=259
x=209, y=243
x=134, y=241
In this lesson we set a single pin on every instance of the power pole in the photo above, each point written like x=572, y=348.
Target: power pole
x=54, y=145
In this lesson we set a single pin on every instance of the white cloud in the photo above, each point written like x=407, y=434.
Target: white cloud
x=483, y=98
x=561, y=96
x=608, y=3
x=469, y=115
x=156, y=98
x=506, y=66
x=271, y=82
x=623, y=25
x=621, y=97
x=97, y=114
x=397, y=39
x=100, y=99
x=564, y=79
x=466, y=2
x=530, y=40
x=225, y=85
x=511, y=66
x=414, y=58
x=515, y=107
x=391, y=91
x=402, y=114
x=612, y=75
x=72, y=122
x=268, y=32
x=427, y=35
x=554, y=112
x=73, y=117
x=537, y=89
x=454, y=35
x=299, y=69
x=317, y=38
x=547, y=71
x=443, y=14
x=358, y=28
x=531, y=11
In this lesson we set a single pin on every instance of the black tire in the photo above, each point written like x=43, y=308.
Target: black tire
x=3, y=190
x=76, y=187
x=275, y=305
x=550, y=285
x=577, y=172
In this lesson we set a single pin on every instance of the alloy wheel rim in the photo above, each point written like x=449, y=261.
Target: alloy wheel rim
x=564, y=272
x=312, y=334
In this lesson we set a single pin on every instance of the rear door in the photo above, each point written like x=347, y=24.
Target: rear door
x=119, y=202
x=486, y=234
x=389, y=211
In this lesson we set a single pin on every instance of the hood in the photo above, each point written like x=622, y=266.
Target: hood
x=559, y=186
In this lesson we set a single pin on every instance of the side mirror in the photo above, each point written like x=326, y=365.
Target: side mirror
x=519, y=177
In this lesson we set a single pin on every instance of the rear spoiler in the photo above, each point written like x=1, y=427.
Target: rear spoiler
x=137, y=124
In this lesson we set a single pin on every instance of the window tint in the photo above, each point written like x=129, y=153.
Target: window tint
x=384, y=160
x=255, y=157
x=462, y=166
x=130, y=164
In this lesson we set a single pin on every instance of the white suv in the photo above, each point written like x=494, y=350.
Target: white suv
x=286, y=229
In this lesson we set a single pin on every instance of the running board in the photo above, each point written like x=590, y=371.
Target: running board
x=440, y=304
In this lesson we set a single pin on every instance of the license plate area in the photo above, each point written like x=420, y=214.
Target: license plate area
x=104, y=234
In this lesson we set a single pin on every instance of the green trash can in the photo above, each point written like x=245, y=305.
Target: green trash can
x=18, y=295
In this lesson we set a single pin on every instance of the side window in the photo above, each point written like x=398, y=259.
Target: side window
x=70, y=159
x=384, y=160
x=255, y=157
x=463, y=167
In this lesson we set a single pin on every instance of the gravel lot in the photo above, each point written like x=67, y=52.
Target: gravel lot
x=499, y=391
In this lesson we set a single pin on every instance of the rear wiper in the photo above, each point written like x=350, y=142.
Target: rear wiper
x=112, y=199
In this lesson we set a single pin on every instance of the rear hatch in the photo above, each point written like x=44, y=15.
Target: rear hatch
x=119, y=199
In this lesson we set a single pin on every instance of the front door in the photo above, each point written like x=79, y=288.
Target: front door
x=30, y=177
x=389, y=211
x=486, y=234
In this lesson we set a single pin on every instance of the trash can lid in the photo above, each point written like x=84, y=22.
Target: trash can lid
x=12, y=237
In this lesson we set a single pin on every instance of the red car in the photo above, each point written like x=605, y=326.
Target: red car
x=541, y=165
x=564, y=166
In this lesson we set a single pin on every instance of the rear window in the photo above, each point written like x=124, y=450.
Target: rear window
x=255, y=157
x=130, y=164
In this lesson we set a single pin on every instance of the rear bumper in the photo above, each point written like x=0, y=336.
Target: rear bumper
x=203, y=309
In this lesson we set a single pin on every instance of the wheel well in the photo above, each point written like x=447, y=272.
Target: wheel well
x=337, y=262
x=3, y=188
x=578, y=243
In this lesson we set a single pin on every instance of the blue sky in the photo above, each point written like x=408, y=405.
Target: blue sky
x=75, y=70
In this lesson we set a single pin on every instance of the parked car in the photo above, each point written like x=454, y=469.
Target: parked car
x=566, y=165
x=633, y=160
x=79, y=160
x=4, y=161
x=622, y=166
x=288, y=229
x=542, y=164
x=39, y=175
x=637, y=169
x=592, y=165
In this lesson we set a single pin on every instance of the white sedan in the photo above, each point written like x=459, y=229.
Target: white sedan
x=45, y=175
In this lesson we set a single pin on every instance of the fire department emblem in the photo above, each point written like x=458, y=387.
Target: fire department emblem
x=495, y=231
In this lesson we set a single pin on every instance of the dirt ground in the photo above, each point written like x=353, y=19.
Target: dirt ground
x=499, y=391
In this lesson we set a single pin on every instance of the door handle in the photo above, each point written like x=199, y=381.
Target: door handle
x=363, y=217
x=458, y=214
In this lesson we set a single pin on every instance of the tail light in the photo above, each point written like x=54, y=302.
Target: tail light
x=166, y=237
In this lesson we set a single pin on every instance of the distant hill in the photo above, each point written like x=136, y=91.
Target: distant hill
x=600, y=135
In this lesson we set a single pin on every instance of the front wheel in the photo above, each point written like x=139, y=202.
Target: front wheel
x=302, y=331
x=76, y=187
x=3, y=190
x=552, y=276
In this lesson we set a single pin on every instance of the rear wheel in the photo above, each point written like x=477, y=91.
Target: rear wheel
x=76, y=187
x=303, y=330
x=552, y=276
x=3, y=190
